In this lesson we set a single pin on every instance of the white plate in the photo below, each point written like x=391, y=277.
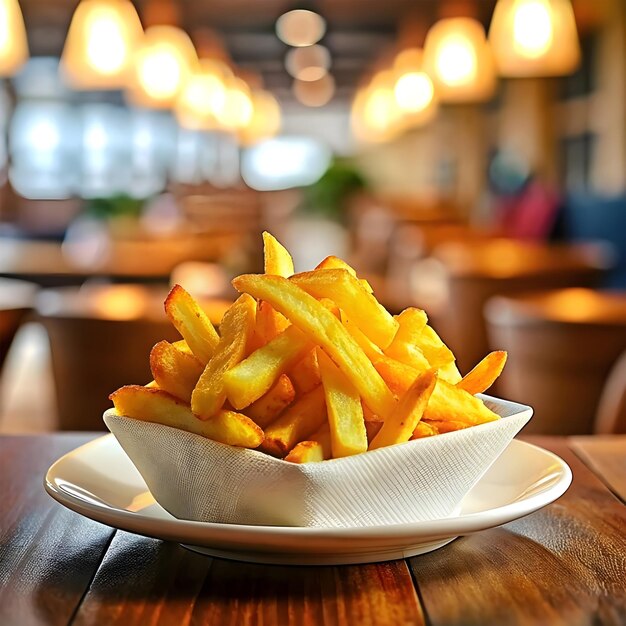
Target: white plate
x=99, y=481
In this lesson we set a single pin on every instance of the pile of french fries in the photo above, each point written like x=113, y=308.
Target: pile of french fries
x=307, y=367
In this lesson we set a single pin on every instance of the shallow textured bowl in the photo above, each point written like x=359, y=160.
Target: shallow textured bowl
x=198, y=479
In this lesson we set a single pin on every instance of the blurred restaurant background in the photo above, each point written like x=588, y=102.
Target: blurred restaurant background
x=467, y=157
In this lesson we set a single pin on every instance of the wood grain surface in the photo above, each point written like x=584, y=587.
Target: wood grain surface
x=563, y=565
x=606, y=456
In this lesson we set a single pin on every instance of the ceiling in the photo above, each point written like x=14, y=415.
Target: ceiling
x=358, y=33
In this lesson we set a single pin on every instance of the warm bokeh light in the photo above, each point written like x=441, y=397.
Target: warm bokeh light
x=100, y=44
x=315, y=93
x=534, y=38
x=13, y=44
x=121, y=302
x=204, y=96
x=265, y=121
x=238, y=108
x=300, y=27
x=457, y=56
x=308, y=64
x=414, y=91
x=163, y=64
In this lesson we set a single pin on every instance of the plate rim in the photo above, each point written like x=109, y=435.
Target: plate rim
x=174, y=529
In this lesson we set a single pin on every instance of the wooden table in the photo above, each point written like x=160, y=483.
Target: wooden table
x=563, y=565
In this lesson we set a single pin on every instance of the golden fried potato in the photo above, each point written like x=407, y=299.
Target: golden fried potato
x=361, y=307
x=401, y=424
x=255, y=376
x=192, y=323
x=236, y=330
x=325, y=330
x=155, y=405
x=343, y=405
x=277, y=259
x=484, y=374
x=268, y=407
x=315, y=449
x=448, y=426
x=305, y=374
x=372, y=429
x=175, y=371
x=435, y=350
x=269, y=324
x=404, y=347
x=425, y=429
x=335, y=263
x=299, y=421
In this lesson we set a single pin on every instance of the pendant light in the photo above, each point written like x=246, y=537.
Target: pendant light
x=161, y=67
x=534, y=38
x=458, y=58
x=100, y=44
x=13, y=44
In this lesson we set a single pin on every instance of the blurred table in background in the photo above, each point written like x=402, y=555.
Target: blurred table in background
x=100, y=339
x=562, y=345
x=16, y=300
x=52, y=264
x=455, y=283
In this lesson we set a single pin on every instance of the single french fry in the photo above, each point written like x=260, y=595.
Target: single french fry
x=175, y=371
x=306, y=452
x=450, y=373
x=305, y=374
x=446, y=403
x=343, y=405
x=484, y=374
x=335, y=263
x=255, y=375
x=361, y=307
x=236, y=329
x=448, y=426
x=399, y=426
x=192, y=323
x=156, y=405
x=315, y=449
x=269, y=324
x=152, y=385
x=372, y=351
x=268, y=407
x=425, y=429
x=325, y=330
x=403, y=348
x=278, y=261
x=181, y=345
x=433, y=348
x=301, y=419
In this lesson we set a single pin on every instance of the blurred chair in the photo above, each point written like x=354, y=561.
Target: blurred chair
x=611, y=416
x=16, y=301
x=100, y=339
x=562, y=345
x=469, y=273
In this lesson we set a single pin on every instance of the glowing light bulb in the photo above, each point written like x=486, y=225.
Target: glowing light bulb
x=456, y=63
x=532, y=28
x=100, y=44
x=163, y=65
x=300, y=27
x=238, y=108
x=414, y=91
x=13, y=46
x=534, y=38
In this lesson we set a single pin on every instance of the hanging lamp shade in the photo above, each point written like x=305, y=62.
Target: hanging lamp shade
x=162, y=64
x=100, y=44
x=459, y=60
x=204, y=96
x=13, y=44
x=414, y=90
x=534, y=38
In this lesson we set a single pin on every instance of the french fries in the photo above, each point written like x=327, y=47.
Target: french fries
x=345, y=415
x=236, y=330
x=175, y=371
x=344, y=289
x=156, y=405
x=307, y=367
x=484, y=373
x=324, y=329
x=192, y=323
